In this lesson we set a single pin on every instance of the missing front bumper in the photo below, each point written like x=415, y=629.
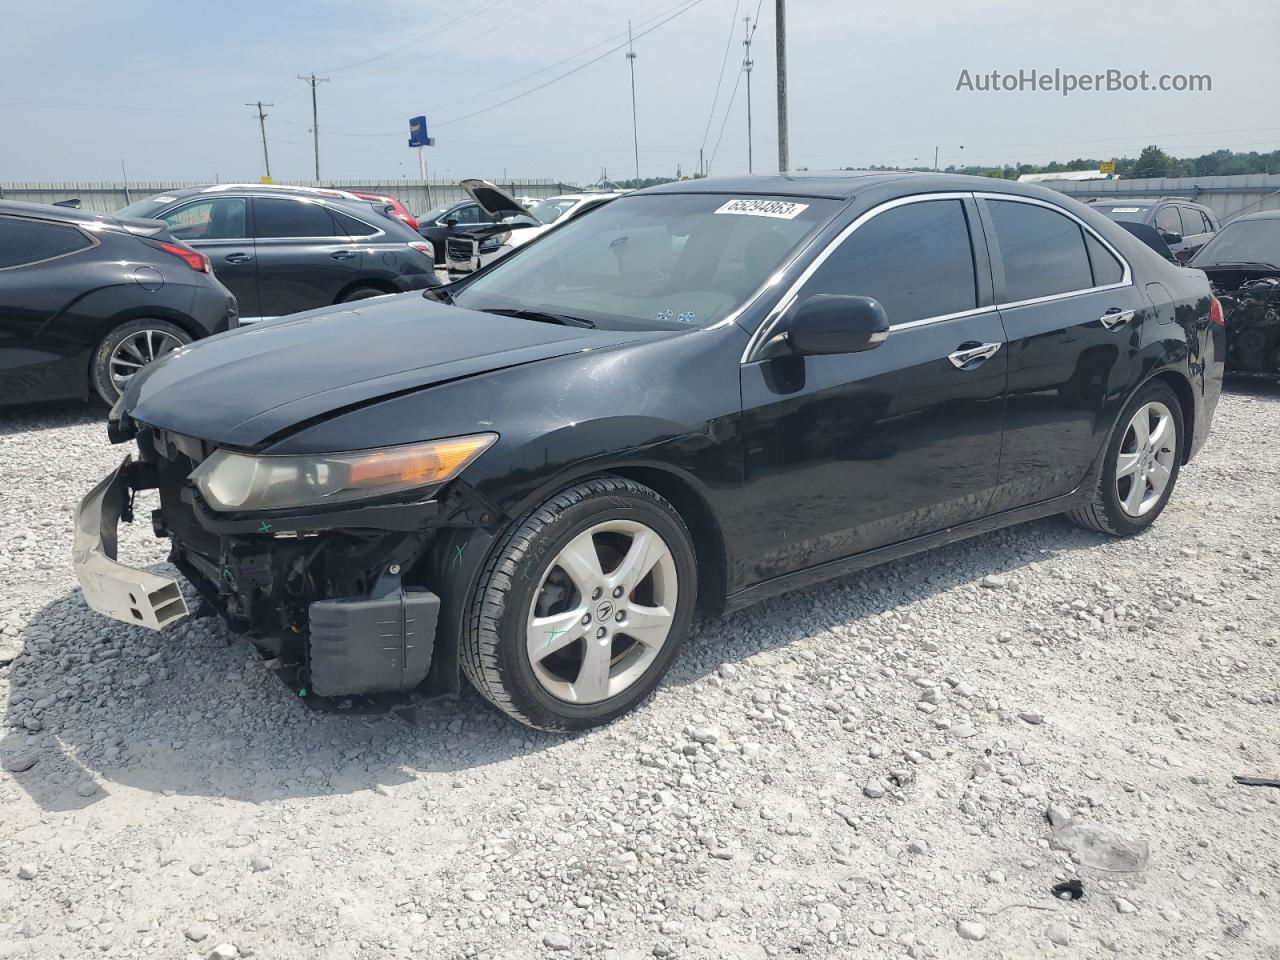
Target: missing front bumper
x=114, y=589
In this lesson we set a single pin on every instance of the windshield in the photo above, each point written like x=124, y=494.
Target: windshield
x=652, y=261
x=1132, y=213
x=551, y=209
x=1245, y=241
x=144, y=209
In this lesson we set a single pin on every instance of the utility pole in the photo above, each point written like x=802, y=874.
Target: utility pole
x=315, y=121
x=635, y=134
x=780, y=30
x=747, y=64
x=262, y=124
x=935, y=158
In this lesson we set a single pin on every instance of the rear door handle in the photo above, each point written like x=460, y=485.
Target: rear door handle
x=342, y=255
x=238, y=258
x=1115, y=317
x=972, y=355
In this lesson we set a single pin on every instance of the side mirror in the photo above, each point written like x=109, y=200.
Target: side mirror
x=836, y=323
x=1171, y=237
x=451, y=222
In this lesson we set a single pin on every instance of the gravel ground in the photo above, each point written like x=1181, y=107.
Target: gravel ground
x=867, y=768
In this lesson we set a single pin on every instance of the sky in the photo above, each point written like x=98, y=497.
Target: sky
x=86, y=85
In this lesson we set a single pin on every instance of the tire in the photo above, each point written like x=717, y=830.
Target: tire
x=1111, y=509
x=124, y=349
x=361, y=293
x=524, y=591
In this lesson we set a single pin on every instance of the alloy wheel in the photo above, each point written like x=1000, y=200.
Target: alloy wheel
x=1145, y=462
x=137, y=350
x=602, y=612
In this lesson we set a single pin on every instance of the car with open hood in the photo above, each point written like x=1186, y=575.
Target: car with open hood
x=694, y=397
x=1243, y=264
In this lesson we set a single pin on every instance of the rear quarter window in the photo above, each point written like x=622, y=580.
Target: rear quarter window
x=25, y=242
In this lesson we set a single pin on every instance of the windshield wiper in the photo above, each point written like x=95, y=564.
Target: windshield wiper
x=543, y=316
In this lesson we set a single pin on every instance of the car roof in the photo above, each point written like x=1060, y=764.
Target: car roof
x=47, y=211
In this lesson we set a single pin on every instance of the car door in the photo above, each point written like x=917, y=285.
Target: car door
x=219, y=228
x=41, y=274
x=305, y=260
x=1196, y=231
x=1169, y=223
x=1072, y=315
x=846, y=453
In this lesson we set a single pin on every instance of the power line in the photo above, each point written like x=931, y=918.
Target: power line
x=434, y=33
x=728, y=110
x=568, y=73
x=733, y=23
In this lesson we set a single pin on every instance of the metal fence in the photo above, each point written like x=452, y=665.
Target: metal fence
x=1228, y=197
x=418, y=195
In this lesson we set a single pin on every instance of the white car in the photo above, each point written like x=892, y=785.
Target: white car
x=552, y=210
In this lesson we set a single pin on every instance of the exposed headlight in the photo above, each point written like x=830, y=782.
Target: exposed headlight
x=237, y=481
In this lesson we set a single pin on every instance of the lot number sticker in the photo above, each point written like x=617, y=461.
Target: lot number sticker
x=777, y=209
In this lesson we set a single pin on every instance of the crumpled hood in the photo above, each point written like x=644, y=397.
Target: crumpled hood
x=244, y=387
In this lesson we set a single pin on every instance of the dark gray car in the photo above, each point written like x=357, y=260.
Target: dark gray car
x=283, y=250
x=1184, y=225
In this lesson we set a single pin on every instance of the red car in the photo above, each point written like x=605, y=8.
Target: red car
x=398, y=209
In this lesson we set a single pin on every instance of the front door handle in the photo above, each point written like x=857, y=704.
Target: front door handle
x=342, y=255
x=237, y=258
x=972, y=355
x=1115, y=317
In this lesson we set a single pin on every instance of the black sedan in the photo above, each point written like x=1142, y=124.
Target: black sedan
x=1243, y=264
x=698, y=395
x=87, y=300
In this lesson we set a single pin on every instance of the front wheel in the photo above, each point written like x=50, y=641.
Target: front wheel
x=582, y=607
x=1141, y=466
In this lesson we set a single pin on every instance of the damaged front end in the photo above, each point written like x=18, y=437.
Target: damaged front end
x=1250, y=301
x=349, y=591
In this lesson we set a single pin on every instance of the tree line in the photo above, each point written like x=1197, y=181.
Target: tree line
x=1151, y=162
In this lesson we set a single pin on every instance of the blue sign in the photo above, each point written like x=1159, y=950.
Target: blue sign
x=418, y=132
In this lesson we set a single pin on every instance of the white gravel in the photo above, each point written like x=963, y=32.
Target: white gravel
x=862, y=769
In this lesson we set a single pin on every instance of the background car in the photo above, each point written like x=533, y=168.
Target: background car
x=283, y=250
x=1243, y=263
x=459, y=219
x=1184, y=225
x=87, y=300
x=394, y=205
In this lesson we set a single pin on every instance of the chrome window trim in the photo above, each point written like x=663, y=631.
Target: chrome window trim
x=760, y=336
x=88, y=235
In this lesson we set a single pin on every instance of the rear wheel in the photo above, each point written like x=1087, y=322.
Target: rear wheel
x=127, y=349
x=1141, y=467
x=583, y=606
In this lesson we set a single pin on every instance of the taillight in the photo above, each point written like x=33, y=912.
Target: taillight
x=424, y=248
x=1215, y=313
x=192, y=258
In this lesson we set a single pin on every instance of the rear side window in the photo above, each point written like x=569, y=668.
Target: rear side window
x=353, y=227
x=273, y=218
x=30, y=241
x=1042, y=251
x=219, y=218
x=1106, y=268
x=915, y=259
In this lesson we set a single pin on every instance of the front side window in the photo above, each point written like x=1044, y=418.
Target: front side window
x=1167, y=220
x=915, y=259
x=653, y=261
x=279, y=218
x=467, y=215
x=30, y=241
x=220, y=218
x=1043, y=251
